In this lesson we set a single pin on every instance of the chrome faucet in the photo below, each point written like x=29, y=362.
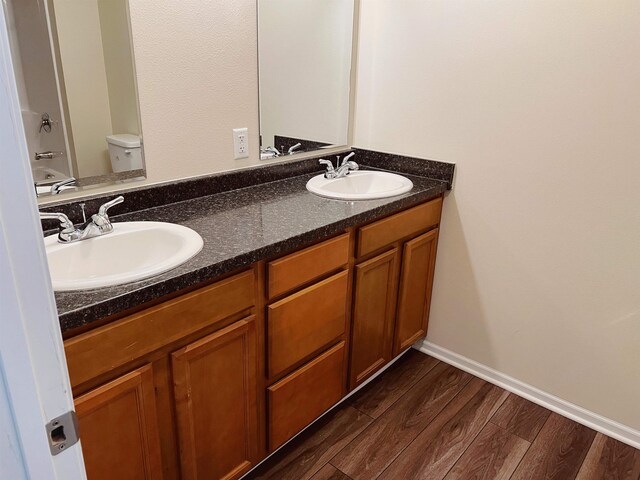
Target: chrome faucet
x=342, y=170
x=272, y=150
x=48, y=155
x=98, y=224
x=57, y=187
x=293, y=148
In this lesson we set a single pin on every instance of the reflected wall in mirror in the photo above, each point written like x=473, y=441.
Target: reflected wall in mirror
x=305, y=64
x=76, y=83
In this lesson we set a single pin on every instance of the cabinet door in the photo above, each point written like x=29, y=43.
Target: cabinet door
x=373, y=315
x=416, y=281
x=118, y=428
x=216, y=403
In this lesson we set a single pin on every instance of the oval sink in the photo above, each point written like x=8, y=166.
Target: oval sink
x=360, y=185
x=133, y=251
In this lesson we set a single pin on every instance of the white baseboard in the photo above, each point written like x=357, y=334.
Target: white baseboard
x=585, y=417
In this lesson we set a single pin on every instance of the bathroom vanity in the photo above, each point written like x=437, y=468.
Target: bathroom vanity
x=207, y=380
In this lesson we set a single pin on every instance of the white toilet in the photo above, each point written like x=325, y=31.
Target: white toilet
x=125, y=152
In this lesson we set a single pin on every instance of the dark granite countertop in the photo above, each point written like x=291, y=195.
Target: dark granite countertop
x=239, y=227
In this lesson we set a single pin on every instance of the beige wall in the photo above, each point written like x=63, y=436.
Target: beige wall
x=305, y=69
x=538, y=103
x=197, y=80
x=85, y=80
x=118, y=61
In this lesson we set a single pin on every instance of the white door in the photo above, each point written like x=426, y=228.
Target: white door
x=34, y=383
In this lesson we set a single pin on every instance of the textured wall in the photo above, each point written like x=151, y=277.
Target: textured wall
x=537, y=102
x=197, y=80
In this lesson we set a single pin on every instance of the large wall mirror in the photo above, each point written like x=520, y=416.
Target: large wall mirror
x=305, y=51
x=76, y=81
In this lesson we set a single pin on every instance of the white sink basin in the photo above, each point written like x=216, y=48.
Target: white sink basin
x=360, y=185
x=133, y=251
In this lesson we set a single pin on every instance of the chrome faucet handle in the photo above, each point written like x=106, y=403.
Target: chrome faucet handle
x=330, y=170
x=56, y=188
x=347, y=157
x=102, y=211
x=67, y=232
x=101, y=219
x=65, y=223
x=293, y=148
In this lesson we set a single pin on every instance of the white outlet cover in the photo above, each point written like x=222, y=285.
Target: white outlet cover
x=240, y=143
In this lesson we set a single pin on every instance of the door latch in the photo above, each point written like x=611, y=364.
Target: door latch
x=62, y=432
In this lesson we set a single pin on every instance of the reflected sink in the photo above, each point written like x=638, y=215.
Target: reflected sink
x=132, y=251
x=360, y=185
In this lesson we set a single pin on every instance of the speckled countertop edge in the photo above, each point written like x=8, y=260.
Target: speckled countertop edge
x=239, y=228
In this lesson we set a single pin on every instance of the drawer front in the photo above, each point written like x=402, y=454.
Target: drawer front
x=100, y=350
x=298, y=399
x=304, y=266
x=305, y=322
x=379, y=234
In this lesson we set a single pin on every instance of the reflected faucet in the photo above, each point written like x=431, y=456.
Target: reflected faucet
x=293, y=148
x=273, y=150
x=57, y=187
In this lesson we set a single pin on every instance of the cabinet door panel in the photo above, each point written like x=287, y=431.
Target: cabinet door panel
x=118, y=428
x=373, y=315
x=215, y=396
x=416, y=281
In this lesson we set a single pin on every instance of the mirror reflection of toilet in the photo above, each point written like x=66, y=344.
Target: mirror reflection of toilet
x=125, y=152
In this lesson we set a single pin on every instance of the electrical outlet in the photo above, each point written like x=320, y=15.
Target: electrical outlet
x=240, y=143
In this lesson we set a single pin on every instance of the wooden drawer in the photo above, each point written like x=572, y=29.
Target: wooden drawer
x=108, y=347
x=379, y=234
x=306, y=322
x=306, y=265
x=298, y=399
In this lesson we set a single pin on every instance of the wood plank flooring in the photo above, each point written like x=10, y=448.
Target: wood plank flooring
x=424, y=419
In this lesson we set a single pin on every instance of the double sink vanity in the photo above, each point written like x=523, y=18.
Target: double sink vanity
x=209, y=319
x=289, y=302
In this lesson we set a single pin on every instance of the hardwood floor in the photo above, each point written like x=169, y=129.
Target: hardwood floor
x=424, y=419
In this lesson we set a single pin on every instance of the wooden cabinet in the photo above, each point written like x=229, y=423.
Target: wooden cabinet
x=374, y=308
x=119, y=430
x=392, y=292
x=215, y=400
x=172, y=391
x=416, y=281
x=204, y=384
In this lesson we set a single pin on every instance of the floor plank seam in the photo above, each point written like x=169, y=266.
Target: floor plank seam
x=425, y=427
x=468, y=446
x=523, y=455
x=401, y=396
x=584, y=457
x=346, y=475
x=515, y=434
x=387, y=409
x=476, y=436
